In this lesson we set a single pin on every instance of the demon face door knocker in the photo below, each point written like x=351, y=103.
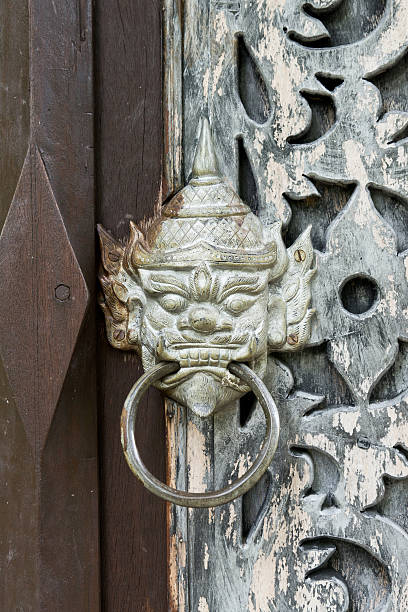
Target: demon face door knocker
x=203, y=291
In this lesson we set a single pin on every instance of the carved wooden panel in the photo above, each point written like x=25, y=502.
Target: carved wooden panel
x=307, y=102
x=49, y=551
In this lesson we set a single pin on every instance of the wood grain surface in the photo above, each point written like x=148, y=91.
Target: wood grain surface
x=129, y=140
x=49, y=544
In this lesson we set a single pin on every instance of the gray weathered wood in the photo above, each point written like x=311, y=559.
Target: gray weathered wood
x=331, y=530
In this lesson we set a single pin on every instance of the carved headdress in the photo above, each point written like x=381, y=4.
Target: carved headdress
x=205, y=221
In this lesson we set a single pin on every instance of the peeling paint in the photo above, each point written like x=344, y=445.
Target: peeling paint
x=269, y=570
x=198, y=459
x=203, y=605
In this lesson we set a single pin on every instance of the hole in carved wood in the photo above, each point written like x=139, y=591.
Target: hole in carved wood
x=314, y=373
x=246, y=181
x=329, y=82
x=326, y=474
x=323, y=118
x=367, y=579
x=391, y=83
x=251, y=86
x=348, y=22
x=394, y=380
x=317, y=211
x=254, y=504
x=359, y=294
x=394, y=502
x=247, y=405
x=330, y=502
x=395, y=212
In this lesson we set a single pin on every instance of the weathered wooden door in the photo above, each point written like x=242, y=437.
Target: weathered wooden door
x=80, y=143
x=101, y=106
x=308, y=107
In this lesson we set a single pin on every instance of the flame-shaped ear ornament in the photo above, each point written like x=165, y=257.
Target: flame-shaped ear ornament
x=203, y=292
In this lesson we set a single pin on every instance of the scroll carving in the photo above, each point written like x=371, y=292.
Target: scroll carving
x=284, y=563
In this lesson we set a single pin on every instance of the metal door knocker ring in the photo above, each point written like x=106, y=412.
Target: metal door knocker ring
x=213, y=498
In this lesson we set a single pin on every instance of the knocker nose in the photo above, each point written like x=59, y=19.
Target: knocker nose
x=203, y=319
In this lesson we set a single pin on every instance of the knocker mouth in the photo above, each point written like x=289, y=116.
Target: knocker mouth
x=209, y=359
x=205, y=355
x=221, y=374
x=214, y=366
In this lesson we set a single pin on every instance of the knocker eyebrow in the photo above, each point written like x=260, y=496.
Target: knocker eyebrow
x=160, y=283
x=242, y=284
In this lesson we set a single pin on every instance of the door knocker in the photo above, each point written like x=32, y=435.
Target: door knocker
x=203, y=291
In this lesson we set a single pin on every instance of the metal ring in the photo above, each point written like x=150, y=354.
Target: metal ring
x=212, y=498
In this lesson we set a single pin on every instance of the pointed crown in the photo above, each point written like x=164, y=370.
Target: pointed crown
x=205, y=221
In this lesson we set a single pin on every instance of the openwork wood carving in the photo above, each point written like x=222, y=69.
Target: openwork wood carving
x=337, y=482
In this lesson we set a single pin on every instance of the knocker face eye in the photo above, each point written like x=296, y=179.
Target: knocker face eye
x=173, y=303
x=236, y=304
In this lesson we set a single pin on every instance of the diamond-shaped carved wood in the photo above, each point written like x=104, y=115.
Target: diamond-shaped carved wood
x=43, y=293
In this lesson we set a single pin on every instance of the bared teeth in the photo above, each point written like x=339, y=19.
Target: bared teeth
x=214, y=358
x=184, y=359
x=195, y=357
x=225, y=355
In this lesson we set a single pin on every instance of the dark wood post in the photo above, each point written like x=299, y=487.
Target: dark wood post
x=129, y=143
x=49, y=552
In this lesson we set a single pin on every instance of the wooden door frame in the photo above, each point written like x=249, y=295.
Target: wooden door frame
x=129, y=145
x=81, y=127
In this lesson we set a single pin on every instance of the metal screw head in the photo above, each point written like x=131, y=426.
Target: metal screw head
x=300, y=255
x=62, y=293
x=363, y=443
x=293, y=339
x=113, y=256
x=119, y=334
